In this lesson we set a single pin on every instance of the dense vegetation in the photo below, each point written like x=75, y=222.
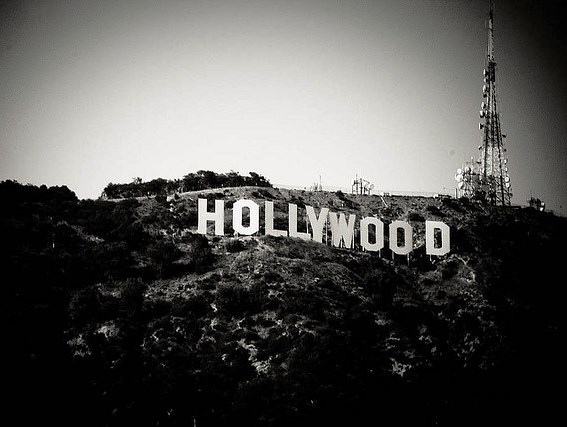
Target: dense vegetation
x=190, y=182
x=116, y=314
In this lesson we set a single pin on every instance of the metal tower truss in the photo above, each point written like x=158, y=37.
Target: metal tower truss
x=361, y=186
x=488, y=180
x=493, y=170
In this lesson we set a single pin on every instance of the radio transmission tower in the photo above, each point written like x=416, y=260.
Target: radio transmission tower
x=493, y=177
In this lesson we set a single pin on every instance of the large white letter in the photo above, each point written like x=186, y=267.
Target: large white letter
x=408, y=238
x=430, y=227
x=317, y=224
x=379, y=227
x=269, y=221
x=217, y=216
x=342, y=229
x=292, y=221
x=254, y=217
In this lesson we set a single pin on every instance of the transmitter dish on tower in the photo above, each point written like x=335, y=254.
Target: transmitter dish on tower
x=468, y=179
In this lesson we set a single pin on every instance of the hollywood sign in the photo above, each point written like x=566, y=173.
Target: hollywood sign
x=437, y=236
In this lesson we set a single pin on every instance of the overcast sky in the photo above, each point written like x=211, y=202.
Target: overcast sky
x=93, y=92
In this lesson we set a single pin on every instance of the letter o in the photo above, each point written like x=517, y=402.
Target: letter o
x=254, y=217
x=408, y=237
x=364, y=226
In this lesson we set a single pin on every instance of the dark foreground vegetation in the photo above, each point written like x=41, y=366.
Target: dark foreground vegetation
x=113, y=314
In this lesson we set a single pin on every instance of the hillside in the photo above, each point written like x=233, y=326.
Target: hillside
x=117, y=313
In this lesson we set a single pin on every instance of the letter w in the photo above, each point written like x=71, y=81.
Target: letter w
x=342, y=229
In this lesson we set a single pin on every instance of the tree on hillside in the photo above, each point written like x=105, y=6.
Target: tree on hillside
x=202, y=179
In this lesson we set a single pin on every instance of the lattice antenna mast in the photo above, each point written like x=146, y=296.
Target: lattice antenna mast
x=494, y=178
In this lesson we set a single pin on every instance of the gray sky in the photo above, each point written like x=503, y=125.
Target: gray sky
x=93, y=92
